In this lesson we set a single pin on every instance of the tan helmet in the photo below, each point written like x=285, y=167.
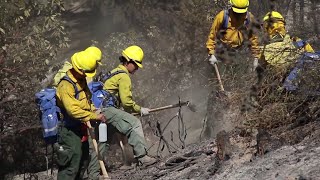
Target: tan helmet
x=84, y=64
x=239, y=6
x=134, y=53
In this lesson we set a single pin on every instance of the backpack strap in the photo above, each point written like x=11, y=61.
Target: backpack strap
x=225, y=20
x=299, y=44
x=109, y=75
x=247, y=21
x=67, y=78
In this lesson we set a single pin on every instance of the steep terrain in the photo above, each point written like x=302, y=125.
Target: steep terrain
x=173, y=36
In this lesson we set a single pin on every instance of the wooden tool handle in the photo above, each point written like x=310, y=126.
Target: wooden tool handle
x=166, y=107
x=218, y=76
x=95, y=144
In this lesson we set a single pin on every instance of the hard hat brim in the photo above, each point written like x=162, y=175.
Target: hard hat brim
x=239, y=10
x=91, y=74
x=138, y=64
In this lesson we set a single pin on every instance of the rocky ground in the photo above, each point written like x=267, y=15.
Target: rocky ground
x=201, y=161
x=285, y=152
x=234, y=155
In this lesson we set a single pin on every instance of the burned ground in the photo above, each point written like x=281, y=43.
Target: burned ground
x=263, y=134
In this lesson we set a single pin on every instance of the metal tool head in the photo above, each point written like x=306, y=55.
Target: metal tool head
x=223, y=94
x=191, y=106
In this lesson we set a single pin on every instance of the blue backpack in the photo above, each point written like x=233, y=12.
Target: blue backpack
x=291, y=83
x=225, y=21
x=50, y=112
x=101, y=97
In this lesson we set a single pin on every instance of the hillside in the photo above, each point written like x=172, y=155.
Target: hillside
x=173, y=35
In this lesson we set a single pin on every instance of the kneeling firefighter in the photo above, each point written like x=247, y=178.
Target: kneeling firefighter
x=118, y=84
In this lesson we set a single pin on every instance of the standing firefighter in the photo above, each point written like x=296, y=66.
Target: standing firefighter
x=281, y=49
x=73, y=98
x=229, y=31
x=118, y=84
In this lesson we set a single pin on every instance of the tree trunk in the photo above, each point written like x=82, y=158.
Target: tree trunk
x=314, y=15
x=285, y=6
x=294, y=14
x=301, y=14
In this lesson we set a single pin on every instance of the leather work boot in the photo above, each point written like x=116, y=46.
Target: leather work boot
x=147, y=160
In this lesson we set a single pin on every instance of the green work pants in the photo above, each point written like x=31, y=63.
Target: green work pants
x=126, y=124
x=72, y=154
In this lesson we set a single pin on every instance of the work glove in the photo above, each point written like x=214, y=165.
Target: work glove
x=144, y=111
x=97, y=111
x=212, y=59
x=101, y=118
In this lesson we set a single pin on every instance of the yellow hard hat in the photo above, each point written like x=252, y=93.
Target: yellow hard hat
x=95, y=53
x=84, y=64
x=239, y=6
x=273, y=15
x=134, y=53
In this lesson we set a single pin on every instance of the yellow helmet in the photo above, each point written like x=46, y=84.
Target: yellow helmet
x=273, y=15
x=274, y=24
x=134, y=53
x=84, y=64
x=95, y=53
x=239, y=6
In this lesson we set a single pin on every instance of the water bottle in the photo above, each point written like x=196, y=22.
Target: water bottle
x=103, y=137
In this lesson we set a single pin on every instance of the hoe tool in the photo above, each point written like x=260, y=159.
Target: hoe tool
x=182, y=103
x=222, y=92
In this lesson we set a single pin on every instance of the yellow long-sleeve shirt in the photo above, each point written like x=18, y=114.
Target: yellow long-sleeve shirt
x=277, y=29
x=120, y=86
x=283, y=53
x=233, y=35
x=78, y=109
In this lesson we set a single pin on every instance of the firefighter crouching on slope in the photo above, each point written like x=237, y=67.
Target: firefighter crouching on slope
x=119, y=86
x=281, y=49
x=73, y=152
x=227, y=35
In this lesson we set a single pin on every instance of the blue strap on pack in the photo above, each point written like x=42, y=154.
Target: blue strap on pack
x=299, y=44
x=67, y=78
x=291, y=83
x=225, y=21
x=67, y=120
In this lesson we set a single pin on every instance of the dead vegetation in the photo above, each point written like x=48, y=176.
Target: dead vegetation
x=264, y=112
